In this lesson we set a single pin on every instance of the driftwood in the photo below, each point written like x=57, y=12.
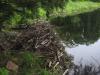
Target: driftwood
x=39, y=38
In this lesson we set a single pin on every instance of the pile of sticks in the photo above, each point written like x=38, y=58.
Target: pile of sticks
x=42, y=39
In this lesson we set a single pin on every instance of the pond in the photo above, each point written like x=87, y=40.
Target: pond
x=86, y=54
x=84, y=38
x=81, y=34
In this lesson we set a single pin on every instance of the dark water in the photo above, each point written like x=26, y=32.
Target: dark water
x=81, y=34
x=85, y=40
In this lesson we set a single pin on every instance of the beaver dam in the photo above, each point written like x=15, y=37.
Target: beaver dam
x=35, y=49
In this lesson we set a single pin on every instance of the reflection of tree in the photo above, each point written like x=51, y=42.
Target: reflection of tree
x=80, y=29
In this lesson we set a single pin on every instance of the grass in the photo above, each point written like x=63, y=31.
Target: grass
x=74, y=8
x=28, y=64
x=4, y=71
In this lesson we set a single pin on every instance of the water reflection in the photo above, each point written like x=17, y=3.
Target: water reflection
x=86, y=54
x=79, y=29
x=81, y=33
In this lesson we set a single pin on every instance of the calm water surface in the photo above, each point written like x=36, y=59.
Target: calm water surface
x=86, y=54
x=82, y=34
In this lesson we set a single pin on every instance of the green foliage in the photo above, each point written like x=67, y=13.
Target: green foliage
x=41, y=12
x=50, y=4
x=4, y=71
x=74, y=26
x=17, y=12
x=27, y=57
x=30, y=64
x=45, y=72
x=14, y=20
x=27, y=62
x=79, y=29
x=74, y=8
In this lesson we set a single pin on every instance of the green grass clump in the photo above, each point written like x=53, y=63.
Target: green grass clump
x=31, y=64
x=4, y=71
x=28, y=64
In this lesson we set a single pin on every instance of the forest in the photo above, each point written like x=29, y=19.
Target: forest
x=35, y=33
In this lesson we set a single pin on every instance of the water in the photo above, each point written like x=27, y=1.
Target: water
x=82, y=34
x=86, y=54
